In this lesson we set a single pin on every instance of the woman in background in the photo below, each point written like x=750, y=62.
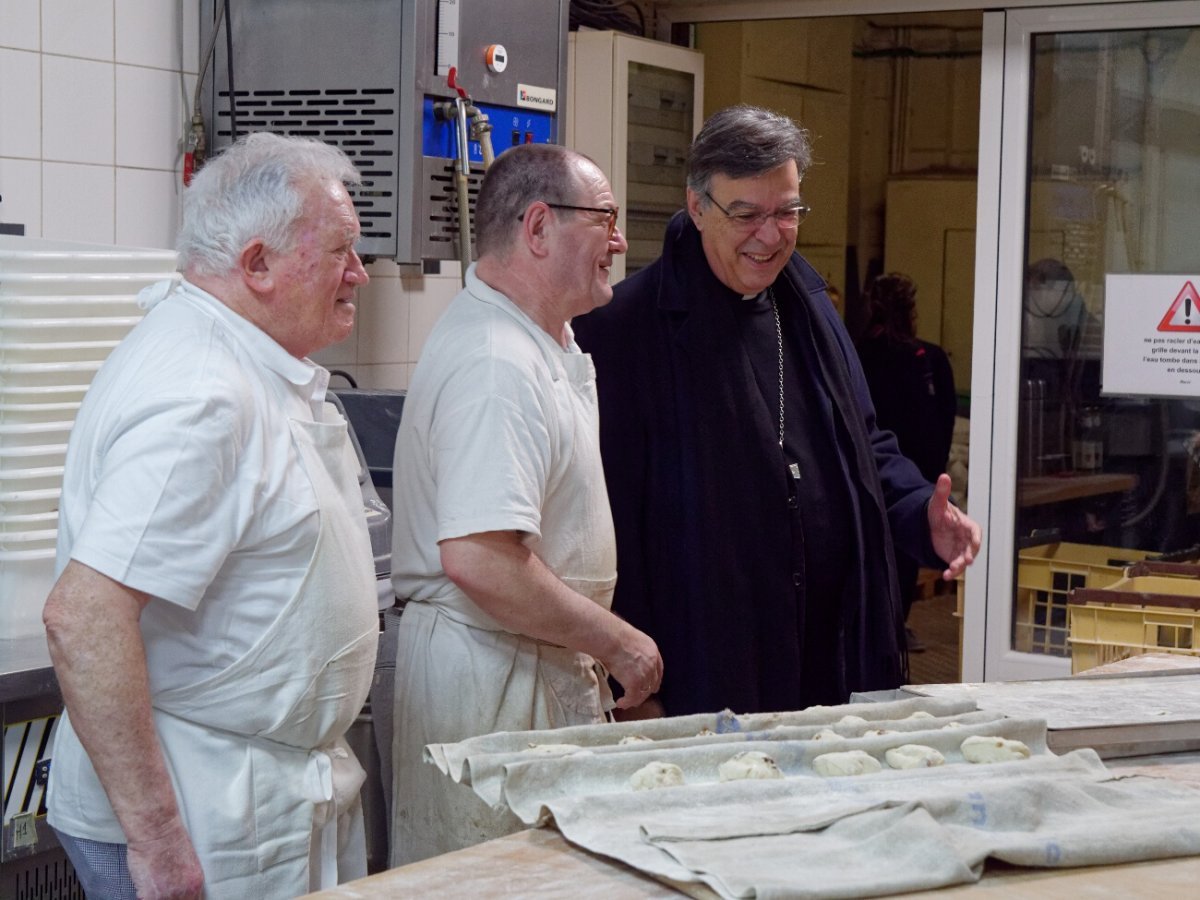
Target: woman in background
x=912, y=387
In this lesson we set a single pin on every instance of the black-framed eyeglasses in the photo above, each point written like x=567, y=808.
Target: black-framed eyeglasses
x=786, y=217
x=610, y=211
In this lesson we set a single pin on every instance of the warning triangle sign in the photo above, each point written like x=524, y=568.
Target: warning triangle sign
x=1184, y=314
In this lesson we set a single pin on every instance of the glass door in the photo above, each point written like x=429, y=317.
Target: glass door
x=1089, y=176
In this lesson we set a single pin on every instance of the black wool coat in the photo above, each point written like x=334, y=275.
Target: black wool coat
x=698, y=489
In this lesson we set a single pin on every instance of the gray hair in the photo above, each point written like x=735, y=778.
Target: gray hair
x=519, y=176
x=743, y=141
x=253, y=189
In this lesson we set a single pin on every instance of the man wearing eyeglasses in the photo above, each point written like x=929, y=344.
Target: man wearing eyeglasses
x=752, y=492
x=503, y=538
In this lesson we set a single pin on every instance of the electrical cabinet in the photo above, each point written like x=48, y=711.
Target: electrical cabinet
x=634, y=106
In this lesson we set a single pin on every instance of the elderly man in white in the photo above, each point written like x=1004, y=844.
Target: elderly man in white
x=214, y=623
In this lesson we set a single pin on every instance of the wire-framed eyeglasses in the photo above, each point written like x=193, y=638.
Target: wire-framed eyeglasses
x=786, y=217
x=610, y=211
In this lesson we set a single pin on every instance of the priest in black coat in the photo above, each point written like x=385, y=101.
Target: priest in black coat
x=754, y=497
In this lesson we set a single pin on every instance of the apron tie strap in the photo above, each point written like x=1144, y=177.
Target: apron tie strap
x=332, y=780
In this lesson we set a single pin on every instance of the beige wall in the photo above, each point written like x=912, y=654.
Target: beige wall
x=885, y=99
x=801, y=68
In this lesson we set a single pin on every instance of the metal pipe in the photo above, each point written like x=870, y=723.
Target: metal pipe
x=462, y=174
x=481, y=131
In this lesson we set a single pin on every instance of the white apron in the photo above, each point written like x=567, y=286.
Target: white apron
x=458, y=676
x=267, y=786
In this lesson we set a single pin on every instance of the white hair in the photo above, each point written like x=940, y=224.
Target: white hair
x=253, y=189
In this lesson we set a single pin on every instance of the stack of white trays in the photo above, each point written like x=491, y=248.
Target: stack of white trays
x=63, y=308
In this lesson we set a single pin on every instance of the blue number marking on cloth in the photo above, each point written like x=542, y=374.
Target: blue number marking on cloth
x=979, y=814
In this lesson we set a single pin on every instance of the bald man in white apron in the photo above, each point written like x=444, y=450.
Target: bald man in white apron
x=502, y=532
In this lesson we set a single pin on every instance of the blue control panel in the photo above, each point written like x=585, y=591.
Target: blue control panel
x=509, y=127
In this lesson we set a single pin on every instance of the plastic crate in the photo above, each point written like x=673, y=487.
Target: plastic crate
x=1046, y=575
x=1138, y=614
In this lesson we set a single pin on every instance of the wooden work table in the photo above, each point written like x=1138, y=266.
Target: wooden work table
x=539, y=862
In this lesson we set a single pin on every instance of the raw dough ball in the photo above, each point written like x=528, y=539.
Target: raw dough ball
x=913, y=756
x=749, y=764
x=634, y=739
x=848, y=762
x=551, y=749
x=826, y=735
x=851, y=720
x=980, y=749
x=656, y=775
x=921, y=714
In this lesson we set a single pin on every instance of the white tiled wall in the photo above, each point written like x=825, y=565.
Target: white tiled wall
x=94, y=100
x=395, y=314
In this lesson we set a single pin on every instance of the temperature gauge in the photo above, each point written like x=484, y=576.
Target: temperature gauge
x=447, y=36
x=496, y=58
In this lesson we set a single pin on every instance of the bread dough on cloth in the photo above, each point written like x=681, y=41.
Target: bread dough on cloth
x=913, y=756
x=656, y=775
x=749, y=765
x=988, y=749
x=847, y=762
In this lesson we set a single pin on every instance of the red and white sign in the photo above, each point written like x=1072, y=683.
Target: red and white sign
x=1151, y=336
x=1184, y=314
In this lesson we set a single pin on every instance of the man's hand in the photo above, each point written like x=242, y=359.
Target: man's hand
x=510, y=583
x=166, y=868
x=637, y=666
x=955, y=535
x=96, y=646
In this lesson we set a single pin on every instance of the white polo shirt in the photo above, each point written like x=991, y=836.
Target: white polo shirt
x=487, y=443
x=182, y=481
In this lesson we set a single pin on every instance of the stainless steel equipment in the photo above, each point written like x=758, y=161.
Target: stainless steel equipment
x=374, y=417
x=377, y=513
x=371, y=78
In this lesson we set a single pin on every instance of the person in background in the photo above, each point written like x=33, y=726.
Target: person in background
x=1055, y=320
x=503, y=539
x=754, y=497
x=214, y=622
x=912, y=389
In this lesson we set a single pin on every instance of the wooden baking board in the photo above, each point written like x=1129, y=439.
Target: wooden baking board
x=1130, y=714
